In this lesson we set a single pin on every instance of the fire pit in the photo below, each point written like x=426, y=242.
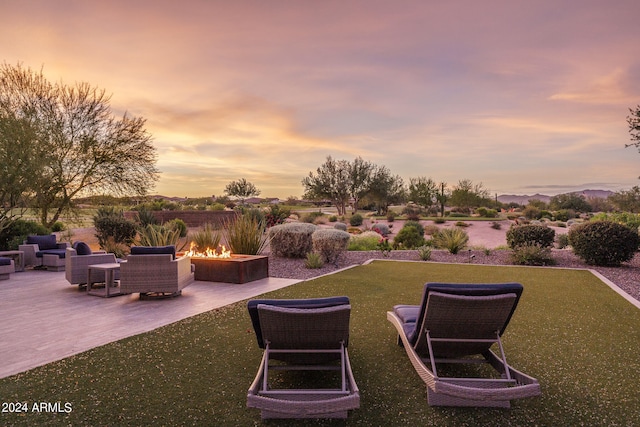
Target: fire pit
x=212, y=266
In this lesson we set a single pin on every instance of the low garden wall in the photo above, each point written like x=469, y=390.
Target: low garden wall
x=191, y=218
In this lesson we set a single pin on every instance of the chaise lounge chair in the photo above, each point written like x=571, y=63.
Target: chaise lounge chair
x=303, y=335
x=455, y=323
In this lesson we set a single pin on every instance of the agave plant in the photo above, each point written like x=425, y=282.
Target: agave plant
x=453, y=239
x=160, y=235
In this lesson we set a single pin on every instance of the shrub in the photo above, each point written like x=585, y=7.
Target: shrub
x=340, y=226
x=532, y=254
x=496, y=225
x=217, y=207
x=330, y=243
x=245, y=235
x=276, y=215
x=391, y=216
x=291, y=240
x=530, y=235
x=110, y=223
x=604, y=243
x=462, y=224
x=158, y=235
x=313, y=260
x=431, y=229
x=409, y=237
x=458, y=215
x=412, y=212
x=207, y=238
x=562, y=240
x=57, y=226
x=354, y=230
x=367, y=241
x=531, y=212
x=565, y=215
x=453, y=239
x=145, y=217
x=415, y=224
x=311, y=217
x=381, y=229
x=17, y=231
x=333, y=218
x=487, y=213
x=439, y=220
x=356, y=220
x=179, y=225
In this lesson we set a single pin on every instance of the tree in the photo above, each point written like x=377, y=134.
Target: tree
x=466, y=195
x=423, y=191
x=572, y=201
x=634, y=126
x=385, y=189
x=80, y=147
x=331, y=181
x=241, y=189
x=360, y=172
x=627, y=201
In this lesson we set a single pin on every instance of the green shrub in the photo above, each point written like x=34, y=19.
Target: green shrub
x=340, y=226
x=431, y=229
x=604, y=243
x=439, y=220
x=276, y=215
x=333, y=218
x=17, y=231
x=179, y=225
x=291, y=240
x=562, y=240
x=462, y=224
x=496, y=225
x=415, y=224
x=330, y=243
x=458, y=215
x=110, y=223
x=356, y=220
x=313, y=261
x=381, y=229
x=532, y=254
x=217, y=207
x=453, y=239
x=540, y=235
x=245, y=234
x=206, y=238
x=531, y=212
x=367, y=241
x=57, y=226
x=631, y=220
x=565, y=215
x=145, y=217
x=310, y=217
x=487, y=213
x=409, y=237
x=391, y=216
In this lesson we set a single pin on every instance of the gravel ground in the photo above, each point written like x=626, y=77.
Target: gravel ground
x=626, y=277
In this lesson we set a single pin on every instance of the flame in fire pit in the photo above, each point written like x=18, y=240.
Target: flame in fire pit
x=208, y=253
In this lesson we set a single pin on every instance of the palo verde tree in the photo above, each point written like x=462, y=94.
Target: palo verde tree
x=80, y=147
x=467, y=195
x=423, y=191
x=242, y=189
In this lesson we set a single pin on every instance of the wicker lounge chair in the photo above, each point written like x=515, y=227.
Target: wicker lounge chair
x=79, y=257
x=303, y=335
x=154, y=271
x=456, y=323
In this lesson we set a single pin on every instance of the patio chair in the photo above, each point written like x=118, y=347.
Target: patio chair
x=311, y=336
x=44, y=251
x=456, y=324
x=78, y=257
x=7, y=267
x=154, y=271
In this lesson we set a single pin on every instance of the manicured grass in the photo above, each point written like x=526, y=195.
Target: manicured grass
x=573, y=333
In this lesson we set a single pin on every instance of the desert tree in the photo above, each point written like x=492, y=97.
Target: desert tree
x=242, y=189
x=571, y=201
x=385, y=189
x=466, y=195
x=82, y=147
x=627, y=200
x=360, y=175
x=423, y=191
x=331, y=182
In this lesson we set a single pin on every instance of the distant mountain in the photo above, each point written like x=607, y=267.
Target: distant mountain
x=523, y=200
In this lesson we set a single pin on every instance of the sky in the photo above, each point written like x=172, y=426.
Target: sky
x=523, y=97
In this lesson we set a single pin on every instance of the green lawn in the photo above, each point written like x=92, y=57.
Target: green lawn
x=573, y=333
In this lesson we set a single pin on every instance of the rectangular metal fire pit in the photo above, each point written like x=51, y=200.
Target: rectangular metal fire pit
x=237, y=269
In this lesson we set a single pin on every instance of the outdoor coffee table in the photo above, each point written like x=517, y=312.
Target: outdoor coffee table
x=17, y=256
x=109, y=282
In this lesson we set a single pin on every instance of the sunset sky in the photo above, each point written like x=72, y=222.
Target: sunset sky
x=522, y=96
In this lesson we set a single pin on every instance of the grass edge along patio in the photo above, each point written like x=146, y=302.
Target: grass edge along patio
x=571, y=331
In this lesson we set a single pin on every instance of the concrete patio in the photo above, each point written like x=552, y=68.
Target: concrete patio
x=43, y=318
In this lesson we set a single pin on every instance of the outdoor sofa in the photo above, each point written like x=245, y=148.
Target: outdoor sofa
x=44, y=251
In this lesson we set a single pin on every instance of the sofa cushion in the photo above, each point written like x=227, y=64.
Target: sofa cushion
x=43, y=242
x=5, y=261
x=60, y=252
x=154, y=250
x=82, y=248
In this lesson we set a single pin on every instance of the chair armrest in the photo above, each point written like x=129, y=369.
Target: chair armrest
x=63, y=245
x=30, y=250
